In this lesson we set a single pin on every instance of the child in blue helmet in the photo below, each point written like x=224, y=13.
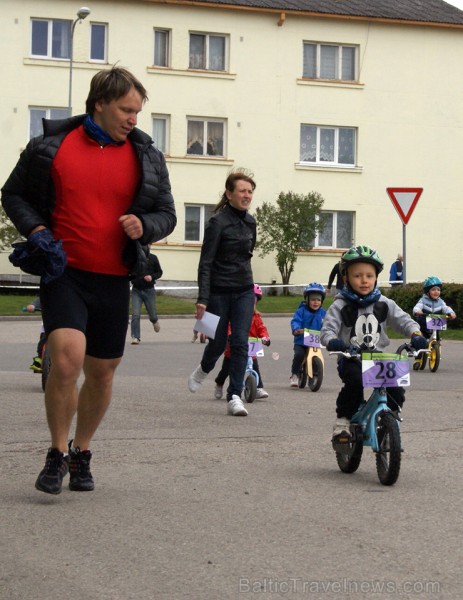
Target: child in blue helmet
x=431, y=303
x=309, y=315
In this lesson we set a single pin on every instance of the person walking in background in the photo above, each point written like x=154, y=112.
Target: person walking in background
x=143, y=292
x=96, y=183
x=258, y=330
x=226, y=285
x=335, y=275
x=36, y=365
x=309, y=315
x=396, y=272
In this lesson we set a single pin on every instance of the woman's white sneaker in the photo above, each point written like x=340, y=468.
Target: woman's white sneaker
x=261, y=393
x=196, y=379
x=236, y=407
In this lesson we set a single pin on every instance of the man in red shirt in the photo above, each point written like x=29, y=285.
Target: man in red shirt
x=96, y=183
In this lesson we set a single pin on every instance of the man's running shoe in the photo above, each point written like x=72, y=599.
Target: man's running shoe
x=81, y=479
x=36, y=365
x=50, y=479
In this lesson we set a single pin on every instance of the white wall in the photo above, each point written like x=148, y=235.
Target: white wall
x=408, y=109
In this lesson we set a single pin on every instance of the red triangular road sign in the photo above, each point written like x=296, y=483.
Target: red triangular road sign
x=404, y=201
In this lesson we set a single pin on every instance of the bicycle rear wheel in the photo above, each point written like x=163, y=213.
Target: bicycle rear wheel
x=46, y=364
x=349, y=454
x=302, y=377
x=434, y=356
x=315, y=382
x=390, y=452
x=250, y=388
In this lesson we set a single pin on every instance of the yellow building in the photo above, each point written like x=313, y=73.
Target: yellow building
x=344, y=104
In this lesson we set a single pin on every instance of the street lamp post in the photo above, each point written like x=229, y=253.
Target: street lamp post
x=82, y=13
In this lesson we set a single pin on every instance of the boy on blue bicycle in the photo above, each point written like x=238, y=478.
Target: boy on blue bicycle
x=358, y=318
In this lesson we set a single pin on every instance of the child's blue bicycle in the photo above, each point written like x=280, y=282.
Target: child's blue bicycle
x=251, y=377
x=375, y=424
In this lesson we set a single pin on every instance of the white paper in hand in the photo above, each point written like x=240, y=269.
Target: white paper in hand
x=208, y=324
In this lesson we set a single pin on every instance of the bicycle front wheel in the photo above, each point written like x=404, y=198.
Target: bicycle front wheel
x=390, y=452
x=315, y=382
x=434, y=356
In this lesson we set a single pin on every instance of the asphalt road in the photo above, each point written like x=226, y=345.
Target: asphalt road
x=193, y=504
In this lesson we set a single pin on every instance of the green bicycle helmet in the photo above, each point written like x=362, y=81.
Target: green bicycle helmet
x=361, y=254
x=431, y=282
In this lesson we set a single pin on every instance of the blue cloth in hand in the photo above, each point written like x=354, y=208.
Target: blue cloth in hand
x=40, y=255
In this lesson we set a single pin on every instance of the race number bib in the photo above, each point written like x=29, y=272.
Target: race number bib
x=436, y=322
x=385, y=370
x=255, y=347
x=312, y=338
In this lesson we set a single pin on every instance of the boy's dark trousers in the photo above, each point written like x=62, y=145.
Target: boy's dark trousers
x=351, y=395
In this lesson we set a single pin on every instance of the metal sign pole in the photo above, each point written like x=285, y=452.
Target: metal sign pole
x=404, y=253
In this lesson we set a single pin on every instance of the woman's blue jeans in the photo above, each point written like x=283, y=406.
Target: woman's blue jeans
x=236, y=309
x=139, y=297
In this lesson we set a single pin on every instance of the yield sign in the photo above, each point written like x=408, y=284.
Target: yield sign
x=404, y=201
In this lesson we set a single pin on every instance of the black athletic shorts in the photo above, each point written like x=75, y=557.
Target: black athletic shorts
x=96, y=304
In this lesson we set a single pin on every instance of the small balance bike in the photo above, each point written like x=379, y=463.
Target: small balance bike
x=435, y=324
x=251, y=377
x=312, y=368
x=375, y=424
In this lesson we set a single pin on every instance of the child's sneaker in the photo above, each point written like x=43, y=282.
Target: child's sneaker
x=341, y=427
x=50, y=479
x=261, y=393
x=196, y=379
x=218, y=392
x=294, y=380
x=36, y=365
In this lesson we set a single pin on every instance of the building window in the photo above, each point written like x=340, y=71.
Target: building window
x=328, y=145
x=338, y=230
x=37, y=114
x=161, y=132
x=51, y=38
x=329, y=61
x=98, y=36
x=161, y=48
x=196, y=218
x=208, y=52
x=205, y=137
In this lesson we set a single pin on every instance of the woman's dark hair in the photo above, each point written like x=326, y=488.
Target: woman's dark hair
x=111, y=85
x=230, y=185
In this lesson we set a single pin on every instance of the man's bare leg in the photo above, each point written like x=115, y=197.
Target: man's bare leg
x=94, y=398
x=67, y=352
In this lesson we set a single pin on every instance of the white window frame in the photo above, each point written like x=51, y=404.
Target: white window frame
x=334, y=245
x=49, y=54
x=166, y=119
x=205, y=136
x=64, y=112
x=105, y=53
x=167, y=46
x=207, y=40
x=319, y=161
x=339, y=62
x=202, y=220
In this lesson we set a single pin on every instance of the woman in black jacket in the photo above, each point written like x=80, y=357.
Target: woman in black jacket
x=226, y=285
